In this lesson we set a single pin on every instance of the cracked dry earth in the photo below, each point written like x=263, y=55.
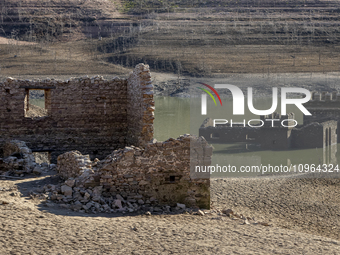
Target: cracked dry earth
x=28, y=227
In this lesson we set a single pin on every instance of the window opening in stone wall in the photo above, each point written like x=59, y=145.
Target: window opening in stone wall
x=35, y=103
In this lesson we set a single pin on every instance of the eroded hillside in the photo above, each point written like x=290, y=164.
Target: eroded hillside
x=196, y=38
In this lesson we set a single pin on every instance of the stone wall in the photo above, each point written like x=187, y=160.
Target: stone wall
x=73, y=164
x=157, y=174
x=91, y=115
x=140, y=114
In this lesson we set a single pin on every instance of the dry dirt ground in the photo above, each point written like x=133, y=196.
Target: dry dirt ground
x=303, y=218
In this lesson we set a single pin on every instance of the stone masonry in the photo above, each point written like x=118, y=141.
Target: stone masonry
x=90, y=118
x=140, y=113
x=91, y=115
x=157, y=174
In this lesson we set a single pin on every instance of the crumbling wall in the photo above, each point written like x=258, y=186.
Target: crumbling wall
x=72, y=164
x=160, y=171
x=19, y=160
x=140, y=114
x=157, y=174
x=91, y=115
x=18, y=157
x=323, y=106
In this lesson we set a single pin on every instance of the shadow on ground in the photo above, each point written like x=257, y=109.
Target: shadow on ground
x=33, y=184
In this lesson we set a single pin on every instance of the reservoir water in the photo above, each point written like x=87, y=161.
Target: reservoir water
x=176, y=116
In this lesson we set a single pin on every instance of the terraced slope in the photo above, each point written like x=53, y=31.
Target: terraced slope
x=34, y=20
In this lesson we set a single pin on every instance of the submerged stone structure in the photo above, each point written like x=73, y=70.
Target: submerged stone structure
x=320, y=130
x=324, y=107
x=311, y=135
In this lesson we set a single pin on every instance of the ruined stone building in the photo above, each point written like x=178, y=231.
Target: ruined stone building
x=100, y=134
x=92, y=115
x=323, y=107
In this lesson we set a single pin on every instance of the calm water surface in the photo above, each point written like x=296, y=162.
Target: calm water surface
x=177, y=116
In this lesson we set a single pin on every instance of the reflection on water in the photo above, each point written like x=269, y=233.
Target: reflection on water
x=238, y=155
x=242, y=151
x=173, y=118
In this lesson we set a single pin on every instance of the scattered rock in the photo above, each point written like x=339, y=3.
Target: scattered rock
x=19, y=158
x=70, y=182
x=120, y=198
x=264, y=224
x=246, y=222
x=228, y=212
x=87, y=195
x=118, y=203
x=182, y=206
x=37, y=170
x=200, y=213
x=66, y=190
x=53, y=166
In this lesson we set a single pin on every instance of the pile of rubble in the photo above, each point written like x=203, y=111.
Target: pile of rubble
x=81, y=191
x=153, y=179
x=19, y=160
x=94, y=200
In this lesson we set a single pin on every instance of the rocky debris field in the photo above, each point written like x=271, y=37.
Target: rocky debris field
x=91, y=200
x=19, y=160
